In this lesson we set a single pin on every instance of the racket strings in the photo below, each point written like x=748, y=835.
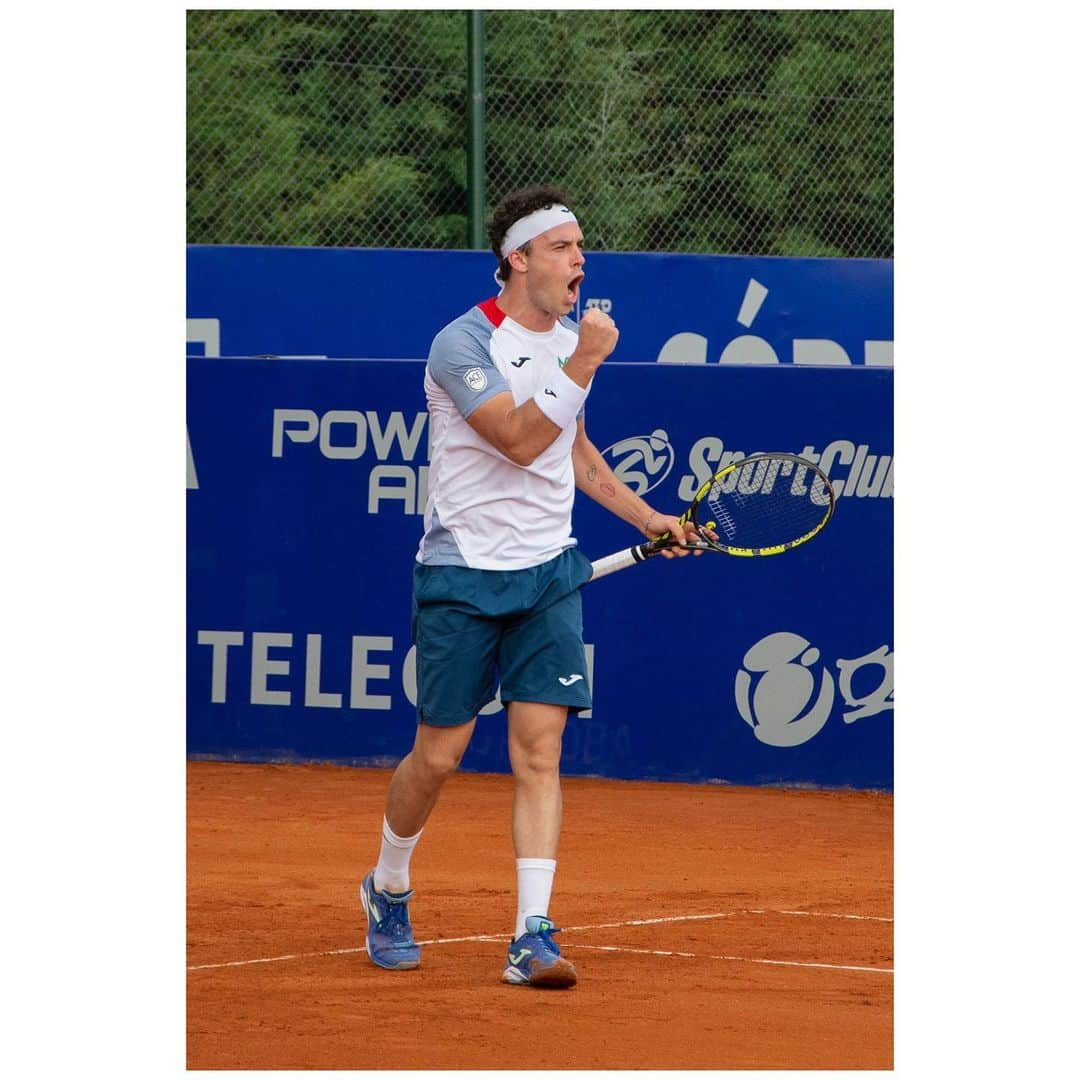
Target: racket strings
x=758, y=506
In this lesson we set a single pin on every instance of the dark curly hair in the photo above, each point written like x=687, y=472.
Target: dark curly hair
x=514, y=207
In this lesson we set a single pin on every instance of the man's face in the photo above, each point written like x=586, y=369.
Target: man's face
x=555, y=269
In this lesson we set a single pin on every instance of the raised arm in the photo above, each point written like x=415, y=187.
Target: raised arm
x=524, y=432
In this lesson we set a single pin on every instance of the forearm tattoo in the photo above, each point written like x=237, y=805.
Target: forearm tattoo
x=591, y=474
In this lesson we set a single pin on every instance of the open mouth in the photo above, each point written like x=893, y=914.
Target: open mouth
x=573, y=287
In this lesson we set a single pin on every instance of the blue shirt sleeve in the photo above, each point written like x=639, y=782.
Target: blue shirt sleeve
x=460, y=362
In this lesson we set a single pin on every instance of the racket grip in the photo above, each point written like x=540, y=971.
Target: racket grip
x=619, y=561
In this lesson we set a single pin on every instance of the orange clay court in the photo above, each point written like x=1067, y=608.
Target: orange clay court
x=711, y=926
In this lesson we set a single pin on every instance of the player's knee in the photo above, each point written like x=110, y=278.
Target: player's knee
x=537, y=761
x=439, y=758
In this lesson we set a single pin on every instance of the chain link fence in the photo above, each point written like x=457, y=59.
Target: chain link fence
x=741, y=132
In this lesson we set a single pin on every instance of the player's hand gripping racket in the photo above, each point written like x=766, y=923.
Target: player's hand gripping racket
x=763, y=505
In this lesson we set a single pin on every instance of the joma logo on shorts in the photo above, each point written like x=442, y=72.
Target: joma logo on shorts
x=569, y=680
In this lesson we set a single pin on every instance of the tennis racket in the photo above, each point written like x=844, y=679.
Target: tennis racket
x=765, y=504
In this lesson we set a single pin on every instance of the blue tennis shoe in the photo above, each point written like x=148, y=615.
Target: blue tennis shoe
x=533, y=959
x=390, y=941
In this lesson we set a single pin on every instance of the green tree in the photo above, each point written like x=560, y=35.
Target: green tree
x=765, y=132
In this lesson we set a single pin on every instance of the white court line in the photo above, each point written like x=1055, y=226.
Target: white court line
x=725, y=915
x=340, y=952
x=569, y=929
x=737, y=959
x=833, y=915
x=273, y=959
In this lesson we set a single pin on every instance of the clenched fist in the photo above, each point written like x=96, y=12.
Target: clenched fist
x=597, y=336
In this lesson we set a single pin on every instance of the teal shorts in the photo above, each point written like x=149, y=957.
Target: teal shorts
x=518, y=628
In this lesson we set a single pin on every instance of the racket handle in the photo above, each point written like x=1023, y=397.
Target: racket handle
x=620, y=560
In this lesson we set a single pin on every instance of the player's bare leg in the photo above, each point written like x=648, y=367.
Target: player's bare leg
x=414, y=790
x=535, y=741
x=419, y=777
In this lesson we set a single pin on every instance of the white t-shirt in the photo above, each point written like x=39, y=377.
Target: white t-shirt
x=483, y=511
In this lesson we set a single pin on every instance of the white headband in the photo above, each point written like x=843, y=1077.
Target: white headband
x=531, y=226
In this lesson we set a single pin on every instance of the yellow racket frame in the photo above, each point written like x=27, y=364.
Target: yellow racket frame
x=689, y=515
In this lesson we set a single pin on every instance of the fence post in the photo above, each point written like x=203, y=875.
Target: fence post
x=477, y=194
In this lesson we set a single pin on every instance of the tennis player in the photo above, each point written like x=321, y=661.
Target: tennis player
x=498, y=576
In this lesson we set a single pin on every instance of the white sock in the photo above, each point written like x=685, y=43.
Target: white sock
x=392, y=869
x=535, y=878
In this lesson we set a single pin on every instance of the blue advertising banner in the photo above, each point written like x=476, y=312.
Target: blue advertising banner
x=307, y=481
x=252, y=301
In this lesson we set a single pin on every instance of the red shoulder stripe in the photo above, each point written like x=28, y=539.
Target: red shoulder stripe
x=494, y=313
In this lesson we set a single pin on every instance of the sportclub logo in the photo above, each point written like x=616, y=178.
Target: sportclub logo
x=642, y=462
x=782, y=692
